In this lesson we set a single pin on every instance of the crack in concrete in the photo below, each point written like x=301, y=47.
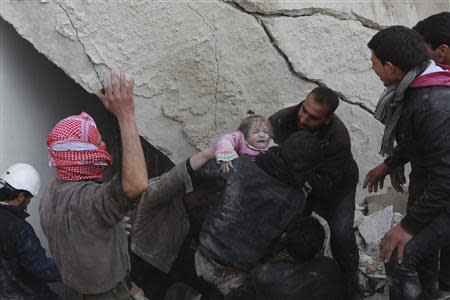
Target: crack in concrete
x=217, y=65
x=291, y=68
x=311, y=11
x=79, y=40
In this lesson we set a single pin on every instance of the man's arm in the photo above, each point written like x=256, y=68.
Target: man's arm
x=433, y=134
x=175, y=182
x=118, y=99
x=394, y=166
x=32, y=257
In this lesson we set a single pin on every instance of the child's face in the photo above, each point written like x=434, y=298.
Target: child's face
x=258, y=135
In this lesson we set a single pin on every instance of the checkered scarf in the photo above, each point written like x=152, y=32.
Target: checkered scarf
x=72, y=145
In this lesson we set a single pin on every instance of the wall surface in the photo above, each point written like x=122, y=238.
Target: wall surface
x=34, y=95
x=201, y=65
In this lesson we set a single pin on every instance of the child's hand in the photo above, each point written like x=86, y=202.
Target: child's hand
x=226, y=166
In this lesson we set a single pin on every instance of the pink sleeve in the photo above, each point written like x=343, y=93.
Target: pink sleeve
x=229, y=145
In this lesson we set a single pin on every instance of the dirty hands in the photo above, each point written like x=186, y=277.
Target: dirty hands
x=398, y=178
x=118, y=97
x=396, y=237
x=375, y=178
x=125, y=222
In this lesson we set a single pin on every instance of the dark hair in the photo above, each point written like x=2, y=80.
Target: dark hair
x=401, y=46
x=245, y=125
x=7, y=192
x=435, y=29
x=326, y=96
x=305, y=237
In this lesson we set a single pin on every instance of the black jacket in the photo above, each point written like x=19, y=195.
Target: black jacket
x=318, y=279
x=335, y=170
x=249, y=215
x=24, y=267
x=423, y=137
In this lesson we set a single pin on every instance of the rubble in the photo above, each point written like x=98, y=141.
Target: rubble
x=392, y=197
x=383, y=212
x=374, y=226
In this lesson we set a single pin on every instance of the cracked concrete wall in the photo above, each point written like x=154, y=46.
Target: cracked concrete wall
x=200, y=66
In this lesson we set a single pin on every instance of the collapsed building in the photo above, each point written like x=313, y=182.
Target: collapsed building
x=200, y=67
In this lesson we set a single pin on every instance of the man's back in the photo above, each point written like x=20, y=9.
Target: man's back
x=81, y=222
x=252, y=211
x=318, y=279
x=15, y=281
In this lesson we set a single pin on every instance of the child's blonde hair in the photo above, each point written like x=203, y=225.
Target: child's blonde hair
x=245, y=125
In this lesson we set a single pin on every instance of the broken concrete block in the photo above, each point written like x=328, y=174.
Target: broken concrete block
x=392, y=197
x=374, y=226
x=397, y=218
x=358, y=218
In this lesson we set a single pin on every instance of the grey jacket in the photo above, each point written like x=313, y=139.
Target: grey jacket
x=162, y=222
x=85, y=238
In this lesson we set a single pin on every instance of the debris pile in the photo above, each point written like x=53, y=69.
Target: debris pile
x=371, y=224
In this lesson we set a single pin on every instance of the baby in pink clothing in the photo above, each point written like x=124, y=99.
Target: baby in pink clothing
x=254, y=136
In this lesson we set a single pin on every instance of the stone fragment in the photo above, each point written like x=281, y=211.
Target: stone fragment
x=374, y=226
x=392, y=197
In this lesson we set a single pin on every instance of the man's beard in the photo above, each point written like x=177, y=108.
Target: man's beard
x=309, y=129
x=23, y=206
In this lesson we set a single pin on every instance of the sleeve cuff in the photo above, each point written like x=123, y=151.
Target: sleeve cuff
x=226, y=156
x=411, y=224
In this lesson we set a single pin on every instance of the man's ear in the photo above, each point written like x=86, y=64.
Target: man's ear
x=22, y=197
x=284, y=236
x=390, y=67
x=393, y=71
x=444, y=51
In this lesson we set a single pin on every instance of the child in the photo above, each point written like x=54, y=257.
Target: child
x=254, y=135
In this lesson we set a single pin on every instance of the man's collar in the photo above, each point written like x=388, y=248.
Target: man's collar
x=14, y=209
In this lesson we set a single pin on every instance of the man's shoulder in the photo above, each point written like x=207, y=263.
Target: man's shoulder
x=336, y=133
x=284, y=116
x=429, y=97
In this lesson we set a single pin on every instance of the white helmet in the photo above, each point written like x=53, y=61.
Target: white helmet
x=23, y=177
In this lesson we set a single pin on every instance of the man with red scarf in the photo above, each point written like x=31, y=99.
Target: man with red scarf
x=80, y=214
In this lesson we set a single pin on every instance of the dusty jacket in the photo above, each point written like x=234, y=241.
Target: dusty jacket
x=318, y=279
x=25, y=268
x=330, y=176
x=423, y=137
x=162, y=222
x=81, y=222
x=250, y=214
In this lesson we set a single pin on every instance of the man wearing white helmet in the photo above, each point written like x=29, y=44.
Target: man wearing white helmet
x=25, y=268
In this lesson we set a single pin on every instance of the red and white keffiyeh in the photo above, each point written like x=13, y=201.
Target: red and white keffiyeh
x=74, y=150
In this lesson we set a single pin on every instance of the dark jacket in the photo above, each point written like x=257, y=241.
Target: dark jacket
x=332, y=172
x=423, y=137
x=250, y=214
x=318, y=279
x=24, y=267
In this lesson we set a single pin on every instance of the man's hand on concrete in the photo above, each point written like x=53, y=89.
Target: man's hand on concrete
x=398, y=178
x=396, y=237
x=375, y=178
x=118, y=97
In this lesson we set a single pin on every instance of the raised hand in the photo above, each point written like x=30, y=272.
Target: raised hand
x=118, y=97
